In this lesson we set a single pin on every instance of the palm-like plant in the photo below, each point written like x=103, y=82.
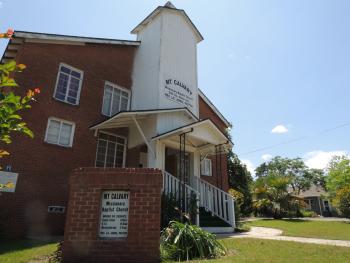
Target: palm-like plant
x=271, y=195
x=184, y=241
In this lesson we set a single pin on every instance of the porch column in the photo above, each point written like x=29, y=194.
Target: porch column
x=156, y=157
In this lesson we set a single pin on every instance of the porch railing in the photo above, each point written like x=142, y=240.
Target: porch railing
x=183, y=192
x=208, y=196
x=216, y=201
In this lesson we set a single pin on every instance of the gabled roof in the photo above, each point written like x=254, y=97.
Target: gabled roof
x=197, y=125
x=158, y=10
x=20, y=37
x=123, y=117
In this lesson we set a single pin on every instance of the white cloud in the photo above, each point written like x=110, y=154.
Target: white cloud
x=320, y=159
x=250, y=166
x=266, y=157
x=279, y=129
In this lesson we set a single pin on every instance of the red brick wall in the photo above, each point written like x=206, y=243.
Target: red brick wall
x=221, y=181
x=44, y=168
x=205, y=112
x=81, y=241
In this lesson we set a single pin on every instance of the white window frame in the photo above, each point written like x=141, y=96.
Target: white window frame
x=206, y=173
x=80, y=83
x=115, y=86
x=59, y=134
x=124, y=152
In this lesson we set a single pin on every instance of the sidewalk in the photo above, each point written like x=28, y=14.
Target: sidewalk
x=276, y=234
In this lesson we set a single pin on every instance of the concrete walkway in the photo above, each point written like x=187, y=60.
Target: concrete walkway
x=276, y=234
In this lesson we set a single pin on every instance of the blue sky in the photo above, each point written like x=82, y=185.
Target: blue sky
x=262, y=63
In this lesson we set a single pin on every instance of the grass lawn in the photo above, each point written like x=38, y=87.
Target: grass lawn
x=248, y=250
x=24, y=250
x=304, y=228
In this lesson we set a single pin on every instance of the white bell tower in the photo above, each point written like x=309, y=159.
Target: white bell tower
x=165, y=66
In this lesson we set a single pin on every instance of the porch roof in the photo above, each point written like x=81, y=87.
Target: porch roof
x=200, y=135
x=125, y=118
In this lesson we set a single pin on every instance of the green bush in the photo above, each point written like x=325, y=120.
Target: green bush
x=186, y=241
x=242, y=227
x=305, y=213
x=342, y=201
x=171, y=212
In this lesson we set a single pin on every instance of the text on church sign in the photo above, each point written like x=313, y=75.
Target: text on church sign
x=114, y=214
x=179, y=92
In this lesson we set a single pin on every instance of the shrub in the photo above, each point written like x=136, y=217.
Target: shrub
x=186, y=241
x=342, y=201
x=305, y=213
x=242, y=227
x=171, y=212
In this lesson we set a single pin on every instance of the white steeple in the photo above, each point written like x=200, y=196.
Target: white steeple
x=165, y=67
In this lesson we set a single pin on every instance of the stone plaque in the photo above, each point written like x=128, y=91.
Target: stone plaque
x=114, y=214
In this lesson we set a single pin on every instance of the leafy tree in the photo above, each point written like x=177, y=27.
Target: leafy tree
x=240, y=180
x=280, y=182
x=11, y=105
x=338, y=183
x=300, y=176
x=338, y=174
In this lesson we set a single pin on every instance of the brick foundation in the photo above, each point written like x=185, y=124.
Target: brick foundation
x=81, y=240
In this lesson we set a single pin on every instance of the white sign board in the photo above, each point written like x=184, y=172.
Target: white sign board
x=8, y=181
x=179, y=92
x=114, y=214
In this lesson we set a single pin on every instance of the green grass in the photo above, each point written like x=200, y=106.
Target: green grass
x=248, y=250
x=304, y=228
x=24, y=250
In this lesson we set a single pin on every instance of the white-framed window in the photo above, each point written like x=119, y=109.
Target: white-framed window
x=68, y=84
x=115, y=99
x=60, y=132
x=111, y=150
x=206, y=167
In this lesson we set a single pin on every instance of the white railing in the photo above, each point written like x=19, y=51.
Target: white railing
x=217, y=201
x=213, y=199
x=172, y=185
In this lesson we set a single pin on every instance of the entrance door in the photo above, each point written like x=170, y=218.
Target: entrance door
x=172, y=163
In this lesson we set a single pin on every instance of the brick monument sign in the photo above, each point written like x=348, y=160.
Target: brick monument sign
x=113, y=215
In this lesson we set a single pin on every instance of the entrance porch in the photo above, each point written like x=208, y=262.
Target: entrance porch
x=188, y=155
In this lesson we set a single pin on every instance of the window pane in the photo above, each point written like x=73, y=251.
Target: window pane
x=76, y=74
x=53, y=131
x=109, y=152
x=124, y=104
x=61, y=89
x=65, y=70
x=119, y=155
x=68, y=85
x=120, y=140
x=116, y=101
x=66, y=131
x=106, y=107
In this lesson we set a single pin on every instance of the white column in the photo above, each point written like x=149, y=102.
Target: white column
x=156, y=158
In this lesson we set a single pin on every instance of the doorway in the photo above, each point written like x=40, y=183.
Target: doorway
x=173, y=166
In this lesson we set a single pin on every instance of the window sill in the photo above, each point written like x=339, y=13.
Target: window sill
x=58, y=145
x=66, y=102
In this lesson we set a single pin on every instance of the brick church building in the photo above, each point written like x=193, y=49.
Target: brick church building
x=114, y=103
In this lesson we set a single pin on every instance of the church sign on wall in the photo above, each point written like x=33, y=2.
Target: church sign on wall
x=114, y=214
x=178, y=91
